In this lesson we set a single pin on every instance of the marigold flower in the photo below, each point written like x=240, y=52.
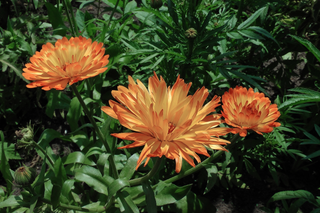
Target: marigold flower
x=68, y=61
x=166, y=121
x=249, y=110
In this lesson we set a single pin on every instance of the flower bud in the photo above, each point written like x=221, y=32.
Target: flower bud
x=156, y=4
x=27, y=134
x=24, y=175
x=191, y=33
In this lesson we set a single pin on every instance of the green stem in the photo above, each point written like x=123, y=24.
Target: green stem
x=97, y=130
x=204, y=163
x=239, y=10
x=69, y=20
x=44, y=152
x=73, y=19
x=77, y=208
x=115, y=7
x=153, y=171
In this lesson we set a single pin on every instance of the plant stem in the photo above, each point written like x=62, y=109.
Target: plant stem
x=115, y=7
x=69, y=20
x=44, y=152
x=97, y=130
x=204, y=163
x=77, y=208
x=153, y=171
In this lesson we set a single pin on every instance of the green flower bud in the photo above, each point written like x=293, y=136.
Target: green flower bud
x=191, y=33
x=24, y=175
x=156, y=4
x=27, y=134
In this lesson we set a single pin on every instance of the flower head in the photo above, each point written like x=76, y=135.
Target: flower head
x=166, y=121
x=24, y=175
x=249, y=110
x=68, y=61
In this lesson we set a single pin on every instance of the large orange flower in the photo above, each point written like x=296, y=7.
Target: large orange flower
x=166, y=121
x=68, y=61
x=249, y=110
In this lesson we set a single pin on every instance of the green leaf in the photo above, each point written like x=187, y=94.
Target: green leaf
x=130, y=7
x=74, y=113
x=205, y=22
x=315, y=51
x=129, y=168
x=116, y=186
x=56, y=100
x=4, y=166
x=250, y=34
x=190, y=204
x=10, y=151
x=170, y=193
x=12, y=201
x=234, y=35
x=250, y=169
x=252, y=18
x=45, y=138
x=249, y=80
x=284, y=195
x=55, y=19
x=90, y=27
x=296, y=99
x=126, y=204
x=57, y=181
x=35, y=3
x=172, y=12
x=212, y=171
x=77, y=157
x=66, y=196
x=93, y=178
x=263, y=32
x=15, y=69
x=150, y=198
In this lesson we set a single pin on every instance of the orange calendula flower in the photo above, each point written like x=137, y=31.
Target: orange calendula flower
x=68, y=61
x=167, y=121
x=249, y=110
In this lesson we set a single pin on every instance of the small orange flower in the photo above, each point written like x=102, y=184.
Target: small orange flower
x=68, y=61
x=166, y=120
x=246, y=109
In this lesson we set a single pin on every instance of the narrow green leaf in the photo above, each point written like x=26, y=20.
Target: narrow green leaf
x=263, y=32
x=250, y=34
x=74, y=114
x=15, y=69
x=172, y=12
x=150, y=198
x=5, y=167
x=248, y=79
x=284, y=195
x=252, y=18
x=315, y=51
x=55, y=19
